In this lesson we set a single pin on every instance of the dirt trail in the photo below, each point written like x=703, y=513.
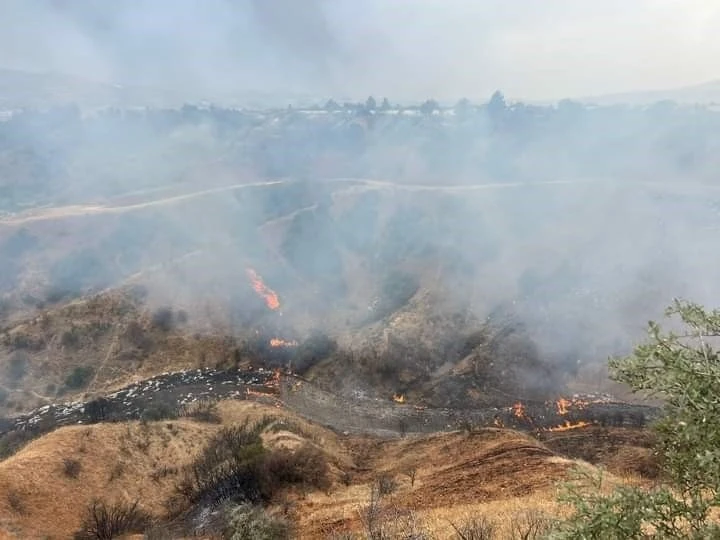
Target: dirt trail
x=53, y=213
x=46, y=214
x=60, y=212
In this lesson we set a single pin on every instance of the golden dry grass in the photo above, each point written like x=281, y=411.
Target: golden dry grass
x=493, y=472
x=125, y=461
x=117, y=462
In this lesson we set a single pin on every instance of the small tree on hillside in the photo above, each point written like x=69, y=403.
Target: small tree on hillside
x=684, y=370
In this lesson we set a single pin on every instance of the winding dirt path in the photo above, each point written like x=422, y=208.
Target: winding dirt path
x=60, y=212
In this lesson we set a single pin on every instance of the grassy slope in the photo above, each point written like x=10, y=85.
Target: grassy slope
x=493, y=472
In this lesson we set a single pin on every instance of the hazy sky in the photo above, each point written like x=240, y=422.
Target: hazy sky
x=531, y=49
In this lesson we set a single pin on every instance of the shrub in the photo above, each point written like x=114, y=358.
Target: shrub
x=70, y=338
x=479, y=528
x=100, y=410
x=104, y=521
x=15, y=502
x=159, y=411
x=137, y=336
x=202, y=410
x=384, y=521
x=21, y=340
x=234, y=466
x=683, y=369
x=164, y=319
x=386, y=484
x=246, y=522
x=79, y=377
x=227, y=468
x=530, y=525
x=17, y=366
x=305, y=466
x=411, y=473
x=71, y=468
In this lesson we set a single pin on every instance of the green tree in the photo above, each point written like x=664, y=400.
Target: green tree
x=463, y=107
x=429, y=106
x=371, y=104
x=332, y=105
x=497, y=102
x=683, y=369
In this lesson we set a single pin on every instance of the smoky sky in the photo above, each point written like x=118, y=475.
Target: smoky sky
x=407, y=49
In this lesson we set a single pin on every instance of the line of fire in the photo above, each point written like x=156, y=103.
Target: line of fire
x=563, y=414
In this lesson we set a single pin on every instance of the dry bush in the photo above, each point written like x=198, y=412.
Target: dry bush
x=478, y=528
x=163, y=472
x=385, y=521
x=137, y=336
x=70, y=338
x=202, y=410
x=235, y=466
x=386, y=484
x=22, y=340
x=103, y=521
x=411, y=473
x=530, y=525
x=117, y=471
x=17, y=366
x=227, y=468
x=71, y=468
x=100, y=410
x=246, y=522
x=164, y=319
x=306, y=466
x=15, y=502
x=79, y=377
x=159, y=411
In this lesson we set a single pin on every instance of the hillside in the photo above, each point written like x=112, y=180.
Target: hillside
x=701, y=94
x=496, y=473
x=415, y=294
x=24, y=89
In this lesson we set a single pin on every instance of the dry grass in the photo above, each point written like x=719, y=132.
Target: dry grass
x=457, y=476
x=111, y=327
x=125, y=461
x=117, y=462
x=494, y=473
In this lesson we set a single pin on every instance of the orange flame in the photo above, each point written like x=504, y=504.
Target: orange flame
x=270, y=296
x=567, y=426
x=399, y=398
x=277, y=342
x=563, y=406
x=519, y=410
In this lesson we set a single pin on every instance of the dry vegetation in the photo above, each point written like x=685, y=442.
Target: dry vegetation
x=433, y=483
x=98, y=344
